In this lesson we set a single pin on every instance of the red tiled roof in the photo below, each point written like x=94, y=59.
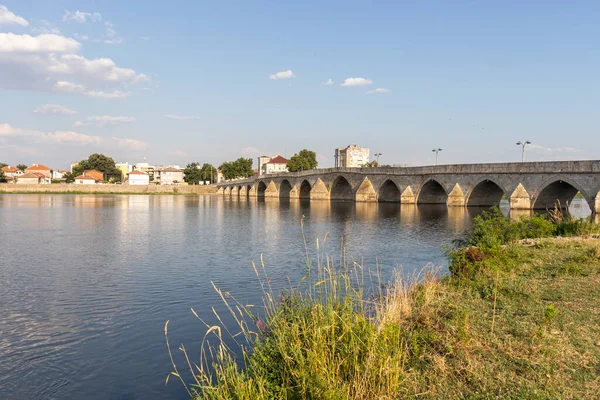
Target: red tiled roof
x=37, y=167
x=29, y=175
x=39, y=175
x=97, y=175
x=137, y=172
x=9, y=169
x=278, y=160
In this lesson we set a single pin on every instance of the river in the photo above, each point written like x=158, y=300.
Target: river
x=88, y=281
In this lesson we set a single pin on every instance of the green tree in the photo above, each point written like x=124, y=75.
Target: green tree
x=22, y=167
x=303, y=161
x=208, y=172
x=372, y=164
x=2, y=165
x=69, y=177
x=2, y=176
x=240, y=168
x=98, y=162
x=192, y=174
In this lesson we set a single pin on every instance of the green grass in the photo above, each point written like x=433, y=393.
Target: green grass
x=523, y=323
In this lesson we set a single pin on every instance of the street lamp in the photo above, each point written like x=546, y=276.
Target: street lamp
x=377, y=157
x=523, y=144
x=436, y=151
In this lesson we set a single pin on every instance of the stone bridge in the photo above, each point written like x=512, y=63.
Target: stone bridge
x=532, y=185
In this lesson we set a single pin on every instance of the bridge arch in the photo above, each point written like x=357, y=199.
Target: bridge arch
x=557, y=190
x=305, y=189
x=388, y=192
x=432, y=192
x=341, y=189
x=261, y=187
x=285, y=188
x=485, y=193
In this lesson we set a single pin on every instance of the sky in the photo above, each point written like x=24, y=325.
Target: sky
x=211, y=81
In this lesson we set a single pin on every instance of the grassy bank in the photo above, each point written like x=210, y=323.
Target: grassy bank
x=518, y=317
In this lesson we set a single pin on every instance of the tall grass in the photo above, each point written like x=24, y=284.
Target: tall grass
x=339, y=334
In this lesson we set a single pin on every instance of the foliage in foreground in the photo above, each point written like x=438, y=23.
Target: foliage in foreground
x=530, y=329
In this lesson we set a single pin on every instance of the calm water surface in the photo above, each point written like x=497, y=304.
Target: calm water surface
x=87, y=282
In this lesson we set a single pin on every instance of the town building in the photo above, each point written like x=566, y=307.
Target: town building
x=262, y=160
x=74, y=164
x=137, y=177
x=11, y=173
x=125, y=168
x=351, y=157
x=28, y=178
x=58, y=175
x=275, y=165
x=97, y=175
x=168, y=176
x=219, y=178
x=85, y=180
x=39, y=169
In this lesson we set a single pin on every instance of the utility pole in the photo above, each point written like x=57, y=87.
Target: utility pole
x=436, y=151
x=523, y=144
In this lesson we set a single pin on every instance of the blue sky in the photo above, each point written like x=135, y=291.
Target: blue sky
x=189, y=80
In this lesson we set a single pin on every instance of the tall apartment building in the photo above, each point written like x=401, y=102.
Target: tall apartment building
x=351, y=157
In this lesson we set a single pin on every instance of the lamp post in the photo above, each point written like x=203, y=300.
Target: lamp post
x=377, y=157
x=436, y=151
x=523, y=144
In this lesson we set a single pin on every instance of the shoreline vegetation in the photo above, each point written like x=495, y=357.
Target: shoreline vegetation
x=516, y=317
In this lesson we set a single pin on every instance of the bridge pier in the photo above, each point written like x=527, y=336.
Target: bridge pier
x=596, y=209
x=319, y=191
x=252, y=191
x=271, y=190
x=220, y=190
x=243, y=192
x=407, y=197
x=366, y=193
x=234, y=191
x=520, y=199
x=456, y=198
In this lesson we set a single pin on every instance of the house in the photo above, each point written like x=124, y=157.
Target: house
x=168, y=175
x=275, y=165
x=97, y=175
x=40, y=169
x=137, y=177
x=28, y=178
x=85, y=180
x=11, y=173
x=60, y=174
x=125, y=168
x=219, y=178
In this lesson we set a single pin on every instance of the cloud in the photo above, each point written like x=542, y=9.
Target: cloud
x=68, y=87
x=9, y=18
x=111, y=34
x=45, y=28
x=247, y=151
x=549, y=150
x=356, y=82
x=67, y=138
x=53, y=109
x=379, y=90
x=180, y=117
x=329, y=82
x=105, y=120
x=50, y=62
x=81, y=17
x=133, y=144
x=282, y=75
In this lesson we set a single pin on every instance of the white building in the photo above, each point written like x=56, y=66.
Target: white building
x=85, y=180
x=275, y=165
x=168, y=176
x=351, y=157
x=137, y=177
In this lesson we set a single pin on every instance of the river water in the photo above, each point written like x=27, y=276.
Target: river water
x=88, y=281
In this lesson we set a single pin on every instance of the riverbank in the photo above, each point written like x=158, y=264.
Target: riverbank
x=516, y=318
x=63, y=188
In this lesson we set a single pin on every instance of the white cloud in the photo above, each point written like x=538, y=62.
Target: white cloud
x=129, y=143
x=32, y=137
x=282, y=75
x=46, y=27
x=180, y=117
x=111, y=34
x=50, y=62
x=249, y=151
x=550, y=150
x=81, y=17
x=356, y=82
x=9, y=18
x=54, y=109
x=329, y=82
x=379, y=90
